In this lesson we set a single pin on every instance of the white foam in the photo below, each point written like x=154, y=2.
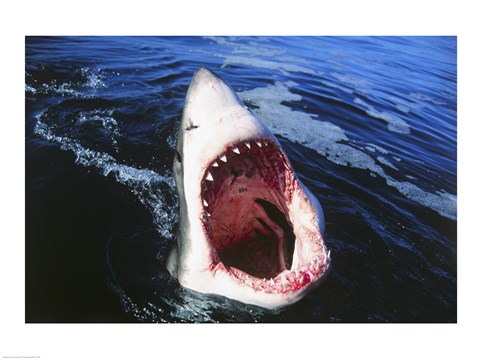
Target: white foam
x=384, y=161
x=259, y=48
x=394, y=123
x=321, y=136
x=404, y=105
x=424, y=97
x=442, y=202
x=330, y=141
x=376, y=148
x=250, y=54
x=336, y=86
x=267, y=64
x=271, y=108
x=359, y=84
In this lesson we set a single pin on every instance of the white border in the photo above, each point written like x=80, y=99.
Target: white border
x=245, y=17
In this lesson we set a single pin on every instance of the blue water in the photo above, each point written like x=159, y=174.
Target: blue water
x=369, y=124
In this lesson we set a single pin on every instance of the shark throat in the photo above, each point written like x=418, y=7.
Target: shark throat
x=245, y=194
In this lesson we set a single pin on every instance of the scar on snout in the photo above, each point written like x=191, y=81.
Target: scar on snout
x=191, y=126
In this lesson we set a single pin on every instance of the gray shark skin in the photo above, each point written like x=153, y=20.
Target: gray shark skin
x=248, y=229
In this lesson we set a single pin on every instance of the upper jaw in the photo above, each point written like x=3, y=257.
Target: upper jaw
x=213, y=117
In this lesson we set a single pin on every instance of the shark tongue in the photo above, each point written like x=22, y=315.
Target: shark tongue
x=244, y=197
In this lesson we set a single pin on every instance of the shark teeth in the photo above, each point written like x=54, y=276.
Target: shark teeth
x=289, y=280
x=209, y=176
x=205, y=203
x=236, y=150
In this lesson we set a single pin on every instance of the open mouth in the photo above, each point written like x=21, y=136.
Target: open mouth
x=259, y=221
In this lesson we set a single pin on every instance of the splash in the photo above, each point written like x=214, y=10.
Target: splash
x=84, y=82
x=155, y=191
x=105, y=118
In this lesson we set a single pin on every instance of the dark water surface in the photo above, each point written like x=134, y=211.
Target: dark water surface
x=369, y=124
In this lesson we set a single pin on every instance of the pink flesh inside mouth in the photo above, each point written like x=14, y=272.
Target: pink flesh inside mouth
x=247, y=193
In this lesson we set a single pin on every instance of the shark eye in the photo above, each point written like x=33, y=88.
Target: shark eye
x=179, y=157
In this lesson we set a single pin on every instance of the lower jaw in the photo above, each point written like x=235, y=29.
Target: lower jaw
x=304, y=267
x=237, y=286
x=286, y=282
x=234, y=284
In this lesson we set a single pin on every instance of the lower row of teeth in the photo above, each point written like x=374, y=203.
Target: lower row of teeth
x=286, y=282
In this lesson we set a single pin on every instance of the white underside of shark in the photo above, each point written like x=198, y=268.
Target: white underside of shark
x=249, y=230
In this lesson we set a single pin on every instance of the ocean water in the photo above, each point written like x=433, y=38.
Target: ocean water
x=369, y=124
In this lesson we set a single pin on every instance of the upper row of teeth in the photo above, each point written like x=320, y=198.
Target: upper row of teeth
x=236, y=150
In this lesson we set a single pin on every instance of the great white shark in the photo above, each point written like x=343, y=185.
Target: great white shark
x=249, y=230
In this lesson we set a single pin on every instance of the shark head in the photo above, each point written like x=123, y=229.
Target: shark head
x=248, y=230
